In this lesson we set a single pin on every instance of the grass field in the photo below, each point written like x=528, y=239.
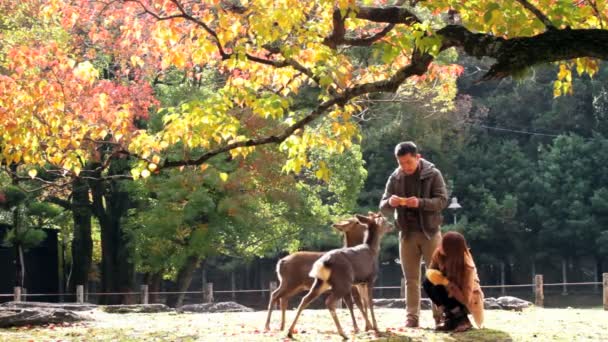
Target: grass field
x=533, y=324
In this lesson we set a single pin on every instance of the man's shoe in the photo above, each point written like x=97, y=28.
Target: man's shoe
x=412, y=323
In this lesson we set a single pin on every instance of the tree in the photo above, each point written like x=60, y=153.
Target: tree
x=267, y=53
x=234, y=209
x=28, y=218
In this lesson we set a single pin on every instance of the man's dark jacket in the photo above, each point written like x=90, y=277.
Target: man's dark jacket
x=432, y=197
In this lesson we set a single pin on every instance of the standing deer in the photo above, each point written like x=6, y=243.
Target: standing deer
x=340, y=269
x=293, y=271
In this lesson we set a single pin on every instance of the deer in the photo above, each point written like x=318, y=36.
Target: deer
x=341, y=269
x=292, y=272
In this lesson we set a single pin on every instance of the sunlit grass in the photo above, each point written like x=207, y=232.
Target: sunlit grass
x=316, y=325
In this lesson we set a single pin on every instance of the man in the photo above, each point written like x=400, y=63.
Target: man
x=415, y=194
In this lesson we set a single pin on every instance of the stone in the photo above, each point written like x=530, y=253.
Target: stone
x=215, y=307
x=11, y=317
x=399, y=303
x=512, y=303
x=44, y=305
x=136, y=308
x=490, y=303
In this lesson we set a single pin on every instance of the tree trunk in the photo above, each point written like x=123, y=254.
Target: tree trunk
x=184, y=278
x=153, y=280
x=110, y=204
x=82, y=244
x=19, y=266
x=60, y=269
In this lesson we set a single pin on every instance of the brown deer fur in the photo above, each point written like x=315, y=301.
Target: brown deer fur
x=293, y=271
x=341, y=269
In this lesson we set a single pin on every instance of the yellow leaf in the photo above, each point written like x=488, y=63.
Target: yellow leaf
x=204, y=167
x=135, y=173
x=32, y=173
x=145, y=173
x=103, y=101
x=152, y=166
x=86, y=72
x=224, y=176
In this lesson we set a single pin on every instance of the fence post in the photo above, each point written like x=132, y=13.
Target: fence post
x=17, y=294
x=233, y=286
x=80, y=294
x=209, y=293
x=144, y=294
x=503, y=289
x=272, y=288
x=605, y=276
x=539, y=299
x=402, y=287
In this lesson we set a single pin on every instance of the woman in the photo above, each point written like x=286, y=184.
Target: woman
x=453, y=285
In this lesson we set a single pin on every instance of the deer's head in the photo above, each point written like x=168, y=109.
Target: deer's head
x=353, y=230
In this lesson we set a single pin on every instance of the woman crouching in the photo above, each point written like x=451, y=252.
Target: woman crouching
x=452, y=284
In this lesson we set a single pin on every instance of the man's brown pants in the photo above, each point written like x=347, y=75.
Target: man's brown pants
x=412, y=248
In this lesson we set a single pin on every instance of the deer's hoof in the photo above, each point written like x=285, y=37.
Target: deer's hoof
x=290, y=334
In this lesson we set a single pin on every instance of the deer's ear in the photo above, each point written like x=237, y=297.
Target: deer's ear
x=342, y=225
x=363, y=219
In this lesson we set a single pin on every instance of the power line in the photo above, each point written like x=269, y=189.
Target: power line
x=512, y=130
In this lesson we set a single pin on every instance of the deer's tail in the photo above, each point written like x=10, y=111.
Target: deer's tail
x=320, y=269
x=279, y=267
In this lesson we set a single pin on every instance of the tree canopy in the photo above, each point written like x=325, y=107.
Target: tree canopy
x=83, y=77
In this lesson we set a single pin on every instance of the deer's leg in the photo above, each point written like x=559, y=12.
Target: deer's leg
x=284, y=303
x=358, y=294
x=330, y=302
x=370, y=299
x=274, y=298
x=318, y=287
x=349, y=303
x=365, y=302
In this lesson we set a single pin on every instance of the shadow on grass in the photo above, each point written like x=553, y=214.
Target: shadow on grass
x=469, y=336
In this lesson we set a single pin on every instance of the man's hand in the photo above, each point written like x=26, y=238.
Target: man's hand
x=395, y=201
x=412, y=202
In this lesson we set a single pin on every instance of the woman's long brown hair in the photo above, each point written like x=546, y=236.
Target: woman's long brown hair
x=453, y=257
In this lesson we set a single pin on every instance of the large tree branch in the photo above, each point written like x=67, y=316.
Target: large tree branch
x=540, y=15
x=515, y=54
x=418, y=66
x=65, y=204
x=390, y=15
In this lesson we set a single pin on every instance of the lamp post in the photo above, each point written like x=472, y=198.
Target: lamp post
x=454, y=205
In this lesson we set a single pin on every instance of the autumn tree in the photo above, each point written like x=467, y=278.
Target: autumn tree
x=76, y=76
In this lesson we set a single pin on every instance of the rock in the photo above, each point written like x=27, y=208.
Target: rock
x=491, y=304
x=389, y=303
x=215, y=307
x=43, y=305
x=425, y=303
x=136, y=308
x=512, y=303
x=10, y=317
